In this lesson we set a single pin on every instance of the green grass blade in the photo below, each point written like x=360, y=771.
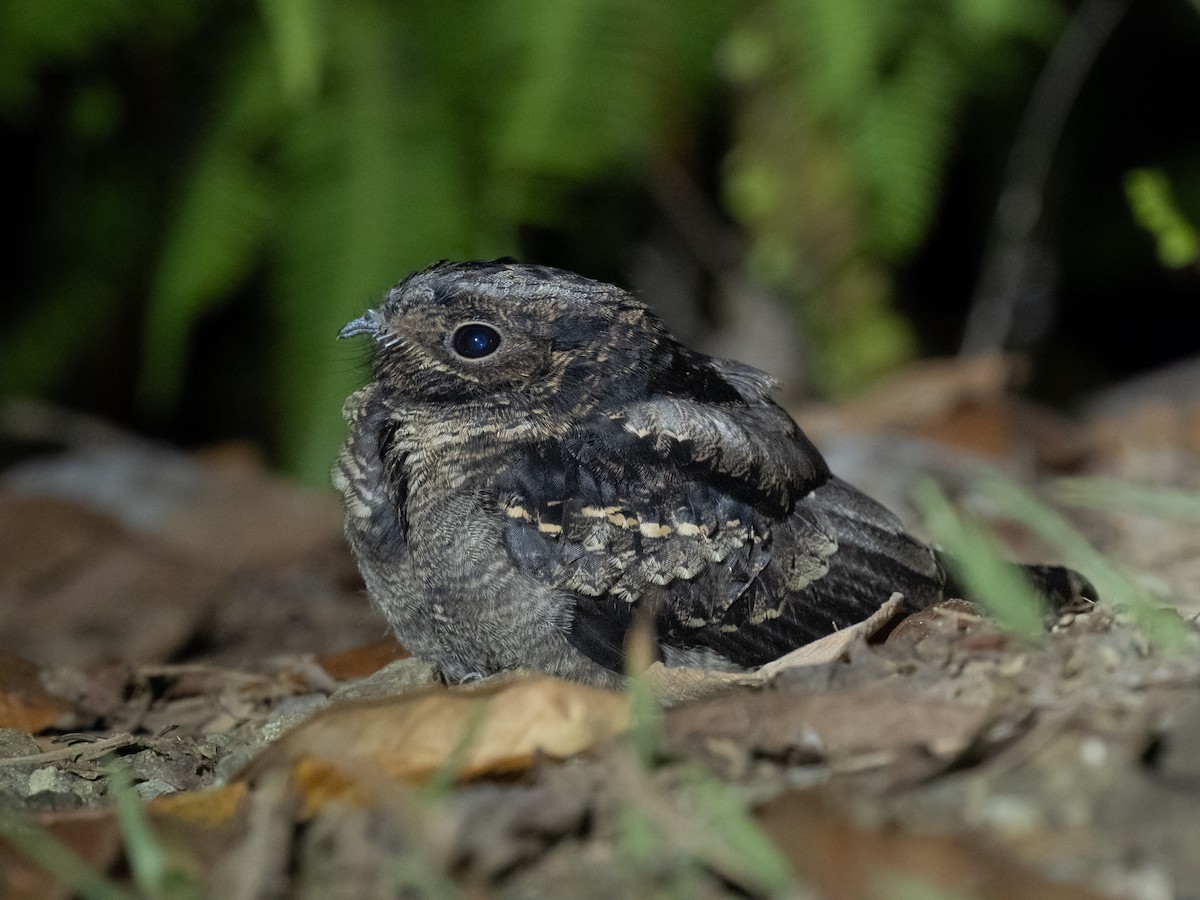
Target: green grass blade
x=994, y=582
x=147, y=860
x=1163, y=627
x=736, y=836
x=51, y=854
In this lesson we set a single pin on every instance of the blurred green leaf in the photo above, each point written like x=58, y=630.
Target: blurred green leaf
x=152, y=868
x=842, y=138
x=905, y=137
x=972, y=553
x=734, y=837
x=295, y=31
x=717, y=833
x=46, y=851
x=34, y=33
x=1149, y=194
x=903, y=886
x=218, y=227
x=1108, y=493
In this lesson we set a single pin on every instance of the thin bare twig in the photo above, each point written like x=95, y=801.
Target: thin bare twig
x=1015, y=254
x=73, y=752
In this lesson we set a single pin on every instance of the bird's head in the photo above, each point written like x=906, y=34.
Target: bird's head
x=498, y=331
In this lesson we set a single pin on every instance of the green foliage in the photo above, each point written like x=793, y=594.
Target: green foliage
x=732, y=836
x=903, y=886
x=36, y=35
x=1175, y=238
x=849, y=114
x=296, y=157
x=645, y=727
x=294, y=30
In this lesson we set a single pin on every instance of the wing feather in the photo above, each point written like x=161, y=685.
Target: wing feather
x=721, y=521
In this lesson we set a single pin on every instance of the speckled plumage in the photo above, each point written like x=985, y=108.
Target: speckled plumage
x=520, y=509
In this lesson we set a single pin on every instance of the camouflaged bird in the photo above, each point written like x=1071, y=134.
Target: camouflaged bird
x=537, y=462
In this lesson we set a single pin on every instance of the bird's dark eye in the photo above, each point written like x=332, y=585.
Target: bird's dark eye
x=475, y=340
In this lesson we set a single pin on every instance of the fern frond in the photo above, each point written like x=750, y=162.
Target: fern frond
x=376, y=189
x=903, y=141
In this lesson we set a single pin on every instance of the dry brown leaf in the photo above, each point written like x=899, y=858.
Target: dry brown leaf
x=359, y=662
x=250, y=519
x=831, y=647
x=489, y=729
x=209, y=808
x=1007, y=427
x=845, y=861
x=24, y=703
x=226, y=517
x=867, y=720
x=71, y=579
x=962, y=402
x=924, y=392
x=949, y=619
x=134, y=551
x=676, y=685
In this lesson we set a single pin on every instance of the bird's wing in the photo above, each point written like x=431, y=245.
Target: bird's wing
x=710, y=519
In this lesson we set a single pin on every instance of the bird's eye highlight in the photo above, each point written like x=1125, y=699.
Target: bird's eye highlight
x=475, y=340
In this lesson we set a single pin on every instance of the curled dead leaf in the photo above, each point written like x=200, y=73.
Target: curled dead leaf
x=359, y=662
x=676, y=685
x=209, y=808
x=24, y=703
x=831, y=647
x=345, y=750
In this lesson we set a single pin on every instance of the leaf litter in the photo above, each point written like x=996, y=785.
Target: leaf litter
x=237, y=689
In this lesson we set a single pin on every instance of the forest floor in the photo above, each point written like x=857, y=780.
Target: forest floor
x=196, y=698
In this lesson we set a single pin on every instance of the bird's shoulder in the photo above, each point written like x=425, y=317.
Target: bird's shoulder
x=666, y=501
x=704, y=437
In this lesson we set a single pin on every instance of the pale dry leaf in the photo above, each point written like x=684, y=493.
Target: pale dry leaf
x=24, y=702
x=676, y=685
x=831, y=647
x=492, y=728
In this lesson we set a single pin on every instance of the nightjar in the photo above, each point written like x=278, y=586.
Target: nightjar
x=537, y=463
